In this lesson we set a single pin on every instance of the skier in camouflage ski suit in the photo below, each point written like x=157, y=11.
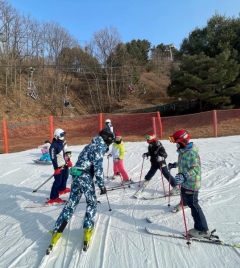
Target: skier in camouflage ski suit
x=88, y=165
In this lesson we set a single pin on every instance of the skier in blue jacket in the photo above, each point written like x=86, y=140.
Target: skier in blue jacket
x=88, y=165
x=57, y=152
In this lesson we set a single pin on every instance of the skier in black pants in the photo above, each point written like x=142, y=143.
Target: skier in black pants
x=158, y=156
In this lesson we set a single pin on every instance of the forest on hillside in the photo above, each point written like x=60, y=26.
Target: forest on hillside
x=41, y=61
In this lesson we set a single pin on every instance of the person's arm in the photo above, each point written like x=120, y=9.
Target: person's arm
x=98, y=166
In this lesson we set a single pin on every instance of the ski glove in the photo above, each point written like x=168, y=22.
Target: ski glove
x=172, y=165
x=181, y=177
x=103, y=190
x=145, y=155
x=57, y=171
x=69, y=164
x=161, y=160
x=109, y=156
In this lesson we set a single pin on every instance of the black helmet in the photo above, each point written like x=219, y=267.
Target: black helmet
x=107, y=136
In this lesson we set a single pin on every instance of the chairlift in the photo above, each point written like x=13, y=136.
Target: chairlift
x=67, y=103
x=66, y=100
x=32, y=90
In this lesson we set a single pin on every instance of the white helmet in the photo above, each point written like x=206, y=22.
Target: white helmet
x=59, y=134
x=108, y=121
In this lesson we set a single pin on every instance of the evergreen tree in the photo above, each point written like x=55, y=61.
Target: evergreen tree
x=211, y=80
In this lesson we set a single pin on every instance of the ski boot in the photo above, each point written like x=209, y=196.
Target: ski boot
x=87, y=237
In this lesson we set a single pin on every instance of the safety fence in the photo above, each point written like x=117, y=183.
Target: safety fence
x=24, y=135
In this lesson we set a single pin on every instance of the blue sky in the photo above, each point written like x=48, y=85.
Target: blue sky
x=158, y=21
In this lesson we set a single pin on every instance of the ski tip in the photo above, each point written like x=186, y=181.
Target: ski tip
x=148, y=220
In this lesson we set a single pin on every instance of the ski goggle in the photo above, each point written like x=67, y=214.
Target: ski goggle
x=62, y=134
x=150, y=137
x=171, y=139
x=118, y=138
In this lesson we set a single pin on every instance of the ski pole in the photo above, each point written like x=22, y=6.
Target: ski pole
x=169, y=182
x=108, y=202
x=107, y=167
x=185, y=223
x=34, y=191
x=162, y=180
x=141, y=172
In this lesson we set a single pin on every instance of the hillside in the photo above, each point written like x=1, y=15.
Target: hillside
x=43, y=106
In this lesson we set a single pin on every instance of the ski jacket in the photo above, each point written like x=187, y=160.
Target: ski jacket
x=90, y=160
x=56, y=151
x=189, y=162
x=109, y=127
x=45, y=148
x=118, y=151
x=155, y=150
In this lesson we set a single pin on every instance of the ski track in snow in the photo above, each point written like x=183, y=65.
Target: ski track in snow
x=120, y=239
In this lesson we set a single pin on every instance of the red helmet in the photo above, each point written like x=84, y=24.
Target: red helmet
x=180, y=136
x=150, y=138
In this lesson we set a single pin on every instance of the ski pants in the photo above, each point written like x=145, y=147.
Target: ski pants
x=152, y=171
x=118, y=167
x=60, y=183
x=45, y=157
x=190, y=198
x=81, y=185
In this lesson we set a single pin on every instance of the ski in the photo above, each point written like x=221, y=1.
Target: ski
x=157, y=196
x=139, y=192
x=156, y=217
x=120, y=186
x=212, y=240
x=47, y=205
x=49, y=250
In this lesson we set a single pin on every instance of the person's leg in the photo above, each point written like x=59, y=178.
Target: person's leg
x=48, y=158
x=199, y=219
x=115, y=168
x=56, y=184
x=91, y=200
x=122, y=170
x=69, y=208
x=152, y=171
x=168, y=176
x=43, y=157
x=65, y=174
x=67, y=212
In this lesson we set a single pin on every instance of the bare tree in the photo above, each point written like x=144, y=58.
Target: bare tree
x=103, y=46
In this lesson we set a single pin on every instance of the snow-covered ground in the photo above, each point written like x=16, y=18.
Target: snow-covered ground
x=120, y=239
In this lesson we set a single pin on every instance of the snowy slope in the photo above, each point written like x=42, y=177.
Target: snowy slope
x=120, y=239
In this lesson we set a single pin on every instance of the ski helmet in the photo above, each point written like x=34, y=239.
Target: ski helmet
x=59, y=134
x=150, y=138
x=107, y=136
x=108, y=121
x=181, y=136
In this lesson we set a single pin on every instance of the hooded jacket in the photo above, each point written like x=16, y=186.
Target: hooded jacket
x=90, y=160
x=189, y=162
x=154, y=150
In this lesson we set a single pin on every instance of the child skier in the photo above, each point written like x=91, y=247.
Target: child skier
x=45, y=151
x=189, y=177
x=158, y=156
x=109, y=125
x=57, y=154
x=88, y=165
x=118, y=152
